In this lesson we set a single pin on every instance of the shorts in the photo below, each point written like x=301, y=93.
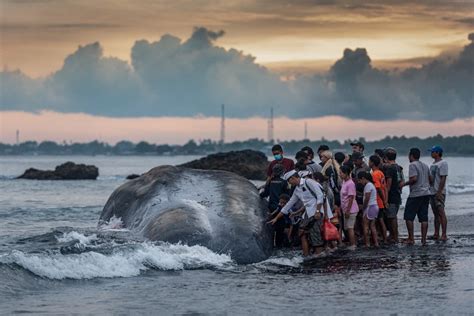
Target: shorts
x=312, y=228
x=392, y=211
x=381, y=213
x=417, y=206
x=307, y=223
x=371, y=212
x=349, y=222
x=437, y=203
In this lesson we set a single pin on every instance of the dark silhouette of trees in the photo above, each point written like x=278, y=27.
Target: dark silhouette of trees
x=453, y=146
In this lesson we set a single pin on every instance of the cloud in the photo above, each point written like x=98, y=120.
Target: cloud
x=54, y=26
x=171, y=77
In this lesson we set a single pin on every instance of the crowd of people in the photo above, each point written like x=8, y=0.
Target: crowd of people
x=360, y=197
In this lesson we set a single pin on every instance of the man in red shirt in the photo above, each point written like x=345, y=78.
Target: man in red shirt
x=288, y=164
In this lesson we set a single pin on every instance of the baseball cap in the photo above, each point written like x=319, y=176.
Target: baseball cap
x=358, y=144
x=290, y=174
x=436, y=149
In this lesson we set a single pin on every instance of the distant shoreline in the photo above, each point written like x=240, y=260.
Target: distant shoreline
x=461, y=146
x=290, y=155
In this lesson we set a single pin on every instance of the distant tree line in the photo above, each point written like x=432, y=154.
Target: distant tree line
x=453, y=146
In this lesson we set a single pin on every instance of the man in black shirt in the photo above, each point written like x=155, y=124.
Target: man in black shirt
x=394, y=182
x=275, y=188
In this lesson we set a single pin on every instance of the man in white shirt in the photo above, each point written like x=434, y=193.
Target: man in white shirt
x=439, y=173
x=419, y=198
x=310, y=193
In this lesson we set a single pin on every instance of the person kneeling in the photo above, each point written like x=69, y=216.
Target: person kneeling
x=310, y=194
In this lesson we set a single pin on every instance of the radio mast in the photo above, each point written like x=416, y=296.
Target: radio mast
x=222, y=124
x=305, y=130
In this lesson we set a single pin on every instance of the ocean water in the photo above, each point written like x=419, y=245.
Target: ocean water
x=55, y=260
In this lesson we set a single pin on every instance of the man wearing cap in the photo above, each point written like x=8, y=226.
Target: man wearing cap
x=419, y=198
x=439, y=173
x=357, y=147
x=310, y=193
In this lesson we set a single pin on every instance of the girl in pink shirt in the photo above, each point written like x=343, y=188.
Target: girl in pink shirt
x=349, y=205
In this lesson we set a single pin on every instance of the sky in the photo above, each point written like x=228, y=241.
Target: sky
x=397, y=66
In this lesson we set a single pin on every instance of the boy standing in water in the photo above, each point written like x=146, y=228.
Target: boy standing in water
x=419, y=198
x=439, y=173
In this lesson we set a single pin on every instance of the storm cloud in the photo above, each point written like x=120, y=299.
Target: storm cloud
x=171, y=77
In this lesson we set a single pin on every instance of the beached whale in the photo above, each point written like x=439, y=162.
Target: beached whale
x=216, y=209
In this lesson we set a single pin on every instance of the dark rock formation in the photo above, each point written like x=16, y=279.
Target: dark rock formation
x=250, y=164
x=66, y=171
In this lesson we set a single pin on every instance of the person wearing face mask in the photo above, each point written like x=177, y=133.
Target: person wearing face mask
x=288, y=164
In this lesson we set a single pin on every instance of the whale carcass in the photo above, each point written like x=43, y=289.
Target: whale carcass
x=216, y=209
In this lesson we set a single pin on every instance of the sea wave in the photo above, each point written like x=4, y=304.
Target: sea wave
x=73, y=236
x=124, y=262
x=460, y=188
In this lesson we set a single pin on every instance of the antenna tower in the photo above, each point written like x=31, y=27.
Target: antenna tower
x=305, y=130
x=222, y=124
x=17, y=136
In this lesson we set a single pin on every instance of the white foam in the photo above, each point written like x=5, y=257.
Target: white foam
x=114, y=224
x=83, y=239
x=283, y=261
x=460, y=188
x=125, y=263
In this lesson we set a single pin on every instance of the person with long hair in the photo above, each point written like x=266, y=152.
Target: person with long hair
x=331, y=172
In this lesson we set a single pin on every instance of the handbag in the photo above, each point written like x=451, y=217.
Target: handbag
x=329, y=231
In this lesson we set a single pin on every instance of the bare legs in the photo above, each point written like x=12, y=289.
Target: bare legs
x=383, y=229
x=393, y=228
x=424, y=232
x=351, y=235
x=366, y=223
x=440, y=219
x=411, y=237
x=304, y=243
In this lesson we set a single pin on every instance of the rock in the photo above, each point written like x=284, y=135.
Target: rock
x=250, y=164
x=132, y=176
x=66, y=171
